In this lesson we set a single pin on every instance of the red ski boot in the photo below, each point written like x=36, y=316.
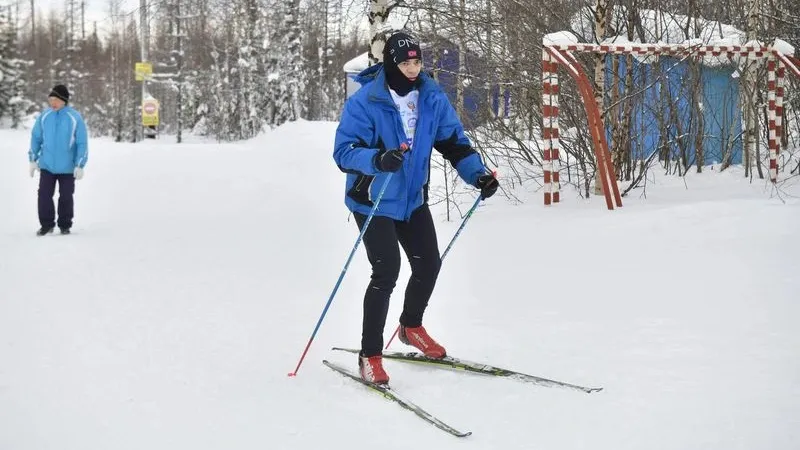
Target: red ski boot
x=371, y=369
x=418, y=337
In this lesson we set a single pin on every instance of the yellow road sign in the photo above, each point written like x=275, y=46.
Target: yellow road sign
x=144, y=71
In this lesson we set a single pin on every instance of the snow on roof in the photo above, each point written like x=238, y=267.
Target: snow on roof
x=783, y=47
x=561, y=38
x=357, y=64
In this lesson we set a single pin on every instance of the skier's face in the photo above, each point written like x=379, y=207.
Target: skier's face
x=410, y=68
x=55, y=103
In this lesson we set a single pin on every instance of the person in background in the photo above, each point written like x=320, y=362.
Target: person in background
x=59, y=152
x=389, y=128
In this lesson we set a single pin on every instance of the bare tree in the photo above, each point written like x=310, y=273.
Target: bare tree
x=378, y=15
x=750, y=94
x=600, y=19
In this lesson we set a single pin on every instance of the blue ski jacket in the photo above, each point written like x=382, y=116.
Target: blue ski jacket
x=59, y=141
x=371, y=122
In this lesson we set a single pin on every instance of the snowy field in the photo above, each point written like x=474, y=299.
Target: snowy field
x=170, y=318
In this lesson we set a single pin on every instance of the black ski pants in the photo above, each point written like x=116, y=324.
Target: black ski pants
x=47, y=208
x=418, y=239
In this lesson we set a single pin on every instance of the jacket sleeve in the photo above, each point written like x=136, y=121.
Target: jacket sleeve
x=352, y=151
x=81, y=143
x=36, y=140
x=455, y=147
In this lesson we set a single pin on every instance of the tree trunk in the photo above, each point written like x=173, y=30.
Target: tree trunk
x=698, y=107
x=627, y=114
x=378, y=13
x=600, y=15
x=462, y=58
x=34, y=36
x=493, y=79
x=179, y=67
x=749, y=92
x=615, y=117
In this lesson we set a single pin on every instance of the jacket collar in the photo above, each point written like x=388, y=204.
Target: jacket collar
x=64, y=109
x=374, y=79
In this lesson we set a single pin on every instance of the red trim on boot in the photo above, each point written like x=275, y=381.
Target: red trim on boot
x=371, y=369
x=419, y=338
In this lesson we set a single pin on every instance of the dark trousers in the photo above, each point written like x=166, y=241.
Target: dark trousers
x=418, y=239
x=47, y=209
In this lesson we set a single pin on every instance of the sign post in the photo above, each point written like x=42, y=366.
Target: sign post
x=144, y=72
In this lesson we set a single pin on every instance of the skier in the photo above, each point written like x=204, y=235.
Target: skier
x=388, y=128
x=59, y=152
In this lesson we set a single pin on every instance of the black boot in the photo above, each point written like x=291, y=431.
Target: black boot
x=44, y=230
x=64, y=230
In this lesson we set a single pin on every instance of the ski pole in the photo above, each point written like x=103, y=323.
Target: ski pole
x=463, y=222
x=404, y=147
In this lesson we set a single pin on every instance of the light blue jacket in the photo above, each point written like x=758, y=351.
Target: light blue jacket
x=59, y=141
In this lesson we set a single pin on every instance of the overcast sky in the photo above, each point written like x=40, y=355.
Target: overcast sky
x=98, y=11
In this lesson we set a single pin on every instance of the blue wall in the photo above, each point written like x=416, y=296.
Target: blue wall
x=476, y=92
x=721, y=113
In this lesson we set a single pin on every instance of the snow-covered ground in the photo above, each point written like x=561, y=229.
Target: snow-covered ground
x=170, y=318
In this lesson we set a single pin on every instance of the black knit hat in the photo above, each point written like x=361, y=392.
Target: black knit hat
x=61, y=92
x=400, y=47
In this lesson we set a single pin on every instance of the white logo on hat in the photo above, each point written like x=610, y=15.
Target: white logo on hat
x=405, y=43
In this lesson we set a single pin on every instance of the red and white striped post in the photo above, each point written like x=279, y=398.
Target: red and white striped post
x=550, y=133
x=784, y=62
x=772, y=138
x=781, y=72
x=604, y=166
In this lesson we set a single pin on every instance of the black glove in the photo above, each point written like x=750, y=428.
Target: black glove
x=488, y=185
x=389, y=160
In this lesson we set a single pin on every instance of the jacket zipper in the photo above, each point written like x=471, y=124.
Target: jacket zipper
x=360, y=182
x=405, y=168
x=416, y=132
x=402, y=128
x=369, y=189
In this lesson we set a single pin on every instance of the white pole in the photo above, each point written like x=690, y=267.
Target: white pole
x=145, y=37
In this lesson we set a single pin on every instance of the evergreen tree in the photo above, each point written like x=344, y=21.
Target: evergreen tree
x=13, y=104
x=287, y=64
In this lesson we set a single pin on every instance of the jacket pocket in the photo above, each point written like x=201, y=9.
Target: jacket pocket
x=360, y=189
